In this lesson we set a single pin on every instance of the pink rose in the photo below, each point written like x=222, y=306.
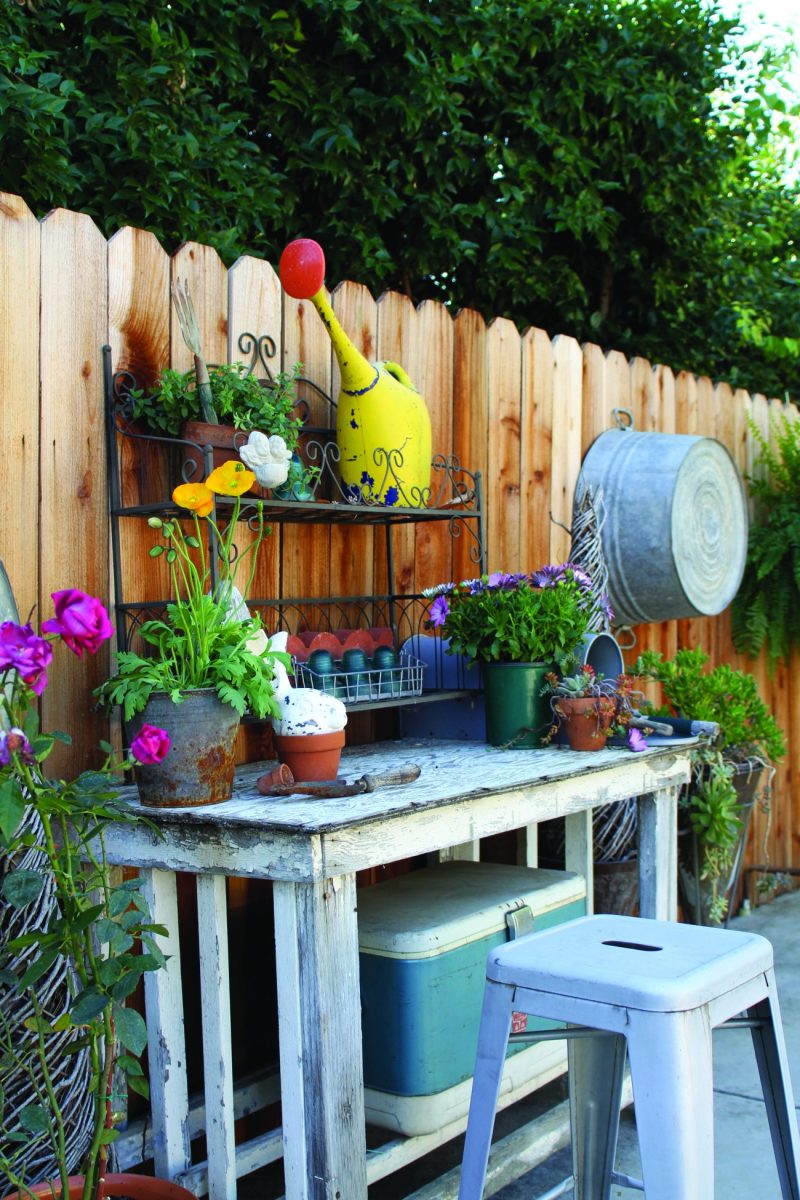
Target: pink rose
x=81, y=621
x=151, y=745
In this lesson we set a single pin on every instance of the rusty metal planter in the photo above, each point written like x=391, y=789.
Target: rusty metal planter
x=199, y=766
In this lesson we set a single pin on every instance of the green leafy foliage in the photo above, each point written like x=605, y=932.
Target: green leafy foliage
x=766, y=610
x=607, y=169
x=723, y=695
x=510, y=618
x=202, y=642
x=99, y=931
x=239, y=399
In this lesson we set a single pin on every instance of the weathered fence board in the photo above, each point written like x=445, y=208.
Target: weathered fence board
x=19, y=387
x=73, y=504
x=522, y=410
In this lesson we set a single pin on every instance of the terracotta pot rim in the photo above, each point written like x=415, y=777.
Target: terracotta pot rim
x=321, y=741
x=141, y=1187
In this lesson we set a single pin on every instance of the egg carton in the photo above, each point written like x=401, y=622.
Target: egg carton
x=373, y=683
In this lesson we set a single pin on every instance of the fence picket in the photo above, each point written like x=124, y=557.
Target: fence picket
x=73, y=525
x=536, y=449
x=19, y=387
x=470, y=420
x=567, y=389
x=503, y=494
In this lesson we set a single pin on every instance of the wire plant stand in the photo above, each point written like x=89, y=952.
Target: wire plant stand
x=144, y=468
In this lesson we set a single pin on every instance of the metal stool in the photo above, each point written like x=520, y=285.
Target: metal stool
x=658, y=989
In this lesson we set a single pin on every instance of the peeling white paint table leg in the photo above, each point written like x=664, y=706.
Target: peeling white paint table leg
x=312, y=849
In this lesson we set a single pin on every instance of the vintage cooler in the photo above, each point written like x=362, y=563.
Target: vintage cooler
x=423, y=941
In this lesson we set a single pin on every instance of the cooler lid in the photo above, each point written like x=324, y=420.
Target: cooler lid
x=439, y=908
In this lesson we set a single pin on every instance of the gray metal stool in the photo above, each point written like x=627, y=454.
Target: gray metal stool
x=657, y=989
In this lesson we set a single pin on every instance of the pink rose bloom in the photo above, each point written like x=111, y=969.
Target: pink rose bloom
x=24, y=651
x=151, y=745
x=81, y=621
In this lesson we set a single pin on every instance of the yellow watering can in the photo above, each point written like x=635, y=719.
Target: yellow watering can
x=383, y=428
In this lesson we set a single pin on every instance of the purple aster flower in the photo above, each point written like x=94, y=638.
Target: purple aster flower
x=581, y=577
x=439, y=610
x=25, y=652
x=14, y=742
x=547, y=576
x=636, y=740
x=605, y=604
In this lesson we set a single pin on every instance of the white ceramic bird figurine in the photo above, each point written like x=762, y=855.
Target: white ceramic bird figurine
x=303, y=710
x=268, y=457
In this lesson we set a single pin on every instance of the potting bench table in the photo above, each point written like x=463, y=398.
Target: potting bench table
x=311, y=849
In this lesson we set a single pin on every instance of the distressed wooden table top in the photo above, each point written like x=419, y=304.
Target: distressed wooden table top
x=465, y=790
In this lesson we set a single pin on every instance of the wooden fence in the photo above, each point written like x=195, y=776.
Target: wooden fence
x=521, y=408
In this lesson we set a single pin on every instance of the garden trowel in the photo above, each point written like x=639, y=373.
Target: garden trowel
x=330, y=788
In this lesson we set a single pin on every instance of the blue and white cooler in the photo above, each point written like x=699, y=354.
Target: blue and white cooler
x=423, y=940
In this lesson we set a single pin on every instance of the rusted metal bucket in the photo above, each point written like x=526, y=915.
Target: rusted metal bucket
x=675, y=523
x=200, y=764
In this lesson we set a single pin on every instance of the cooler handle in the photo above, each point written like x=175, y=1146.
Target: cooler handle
x=519, y=921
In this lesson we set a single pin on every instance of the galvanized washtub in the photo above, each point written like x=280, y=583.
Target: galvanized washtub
x=675, y=522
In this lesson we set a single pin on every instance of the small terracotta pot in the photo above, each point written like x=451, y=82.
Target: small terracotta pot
x=310, y=757
x=586, y=721
x=137, y=1187
x=226, y=442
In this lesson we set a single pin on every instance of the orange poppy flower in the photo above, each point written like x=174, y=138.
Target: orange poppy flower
x=194, y=496
x=231, y=479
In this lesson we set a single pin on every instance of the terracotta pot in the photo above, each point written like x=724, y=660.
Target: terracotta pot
x=225, y=441
x=137, y=1187
x=310, y=756
x=585, y=721
x=200, y=764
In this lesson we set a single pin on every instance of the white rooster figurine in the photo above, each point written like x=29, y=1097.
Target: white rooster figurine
x=304, y=710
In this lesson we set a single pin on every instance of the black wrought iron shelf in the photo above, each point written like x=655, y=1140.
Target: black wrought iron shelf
x=143, y=470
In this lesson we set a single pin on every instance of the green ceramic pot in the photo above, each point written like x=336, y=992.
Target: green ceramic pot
x=517, y=715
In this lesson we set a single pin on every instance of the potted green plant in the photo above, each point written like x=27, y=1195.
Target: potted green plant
x=63, y=912
x=211, y=662
x=589, y=708
x=766, y=609
x=728, y=772
x=518, y=627
x=254, y=415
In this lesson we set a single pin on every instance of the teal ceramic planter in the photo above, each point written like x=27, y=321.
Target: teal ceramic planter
x=517, y=715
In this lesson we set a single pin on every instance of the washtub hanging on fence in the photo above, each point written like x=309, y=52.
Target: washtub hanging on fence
x=675, y=534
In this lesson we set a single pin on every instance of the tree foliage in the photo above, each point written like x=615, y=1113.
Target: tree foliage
x=590, y=167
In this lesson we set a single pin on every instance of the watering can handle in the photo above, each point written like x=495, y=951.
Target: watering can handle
x=623, y=418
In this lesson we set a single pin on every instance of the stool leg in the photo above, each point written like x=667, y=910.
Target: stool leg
x=596, y=1067
x=670, y=1057
x=489, y=1063
x=773, y=1068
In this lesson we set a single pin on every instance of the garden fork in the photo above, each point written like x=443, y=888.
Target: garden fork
x=187, y=319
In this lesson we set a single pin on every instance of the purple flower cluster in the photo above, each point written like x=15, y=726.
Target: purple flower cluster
x=82, y=623
x=14, y=741
x=23, y=651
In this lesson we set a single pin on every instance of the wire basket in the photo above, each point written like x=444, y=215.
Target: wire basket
x=372, y=683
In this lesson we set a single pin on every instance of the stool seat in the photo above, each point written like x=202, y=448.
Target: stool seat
x=651, y=991
x=658, y=966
